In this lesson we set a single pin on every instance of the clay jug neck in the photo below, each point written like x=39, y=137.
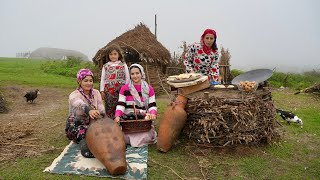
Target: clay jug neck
x=181, y=101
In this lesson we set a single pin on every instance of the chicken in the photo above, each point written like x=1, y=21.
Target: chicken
x=290, y=117
x=32, y=95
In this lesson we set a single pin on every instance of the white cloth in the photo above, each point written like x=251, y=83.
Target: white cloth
x=141, y=138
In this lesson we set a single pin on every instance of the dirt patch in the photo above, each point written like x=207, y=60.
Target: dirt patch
x=25, y=126
x=3, y=104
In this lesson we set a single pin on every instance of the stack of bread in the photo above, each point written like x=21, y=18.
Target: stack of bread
x=248, y=86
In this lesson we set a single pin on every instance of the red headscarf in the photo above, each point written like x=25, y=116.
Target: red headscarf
x=206, y=48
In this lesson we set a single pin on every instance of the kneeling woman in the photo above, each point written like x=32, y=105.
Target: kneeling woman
x=141, y=95
x=85, y=105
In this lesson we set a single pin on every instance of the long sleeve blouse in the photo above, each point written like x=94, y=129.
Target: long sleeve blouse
x=126, y=101
x=197, y=61
x=104, y=80
x=76, y=99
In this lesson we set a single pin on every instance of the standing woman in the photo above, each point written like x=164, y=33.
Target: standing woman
x=140, y=94
x=85, y=105
x=203, y=58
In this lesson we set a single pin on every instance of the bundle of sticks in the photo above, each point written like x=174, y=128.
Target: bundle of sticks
x=221, y=122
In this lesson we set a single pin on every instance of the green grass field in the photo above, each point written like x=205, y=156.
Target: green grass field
x=295, y=156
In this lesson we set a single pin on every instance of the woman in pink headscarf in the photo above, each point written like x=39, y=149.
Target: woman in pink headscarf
x=85, y=105
x=203, y=58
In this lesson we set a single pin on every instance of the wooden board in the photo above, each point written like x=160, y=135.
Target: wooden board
x=190, y=83
x=194, y=88
x=174, y=79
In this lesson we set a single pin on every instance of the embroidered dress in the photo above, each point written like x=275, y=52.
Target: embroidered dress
x=113, y=76
x=196, y=60
x=78, y=117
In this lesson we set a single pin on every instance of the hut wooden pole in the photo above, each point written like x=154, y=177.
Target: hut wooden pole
x=155, y=25
x=147, y=73
x=160, y=80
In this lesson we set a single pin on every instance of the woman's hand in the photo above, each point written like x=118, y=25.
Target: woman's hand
x=150, y=116
x=94, y=114
x=117, y=119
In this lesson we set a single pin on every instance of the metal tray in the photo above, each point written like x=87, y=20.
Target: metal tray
x=257, y=75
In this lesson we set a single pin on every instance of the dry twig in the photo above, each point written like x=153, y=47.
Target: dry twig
x=166, y=167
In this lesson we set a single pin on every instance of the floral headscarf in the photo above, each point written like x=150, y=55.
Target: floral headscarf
x=206, y=48
x=144, y=88
x=83, y=73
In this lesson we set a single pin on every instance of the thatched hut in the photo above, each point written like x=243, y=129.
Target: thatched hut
x=139, y=45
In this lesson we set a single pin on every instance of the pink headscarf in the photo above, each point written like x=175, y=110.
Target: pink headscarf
x=206, y=48
x=82, y=73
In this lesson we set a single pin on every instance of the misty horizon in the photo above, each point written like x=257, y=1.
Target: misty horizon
x=265, y=34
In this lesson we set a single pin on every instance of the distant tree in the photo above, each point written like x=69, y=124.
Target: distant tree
x=225, y=55
x=225, y=72
x=72, y=61
x=176, y=64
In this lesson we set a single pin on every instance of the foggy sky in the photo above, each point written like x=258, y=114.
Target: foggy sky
x=258, y=33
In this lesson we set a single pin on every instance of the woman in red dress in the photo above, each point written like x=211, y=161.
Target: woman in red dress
x=203, y=57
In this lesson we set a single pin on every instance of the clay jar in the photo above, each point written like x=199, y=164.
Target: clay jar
x=172, y=122
x=106, y=142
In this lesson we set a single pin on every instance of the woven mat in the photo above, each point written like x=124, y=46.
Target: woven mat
x=70, y=161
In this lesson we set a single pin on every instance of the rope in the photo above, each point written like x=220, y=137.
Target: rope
x=180, y=102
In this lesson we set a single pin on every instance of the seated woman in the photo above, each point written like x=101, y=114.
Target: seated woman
x=140, y=95
x=85, y=105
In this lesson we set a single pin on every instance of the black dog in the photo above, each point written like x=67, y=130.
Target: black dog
x=289, y=117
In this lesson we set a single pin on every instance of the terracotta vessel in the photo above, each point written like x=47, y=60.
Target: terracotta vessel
x=171, y=124
x=106, y=142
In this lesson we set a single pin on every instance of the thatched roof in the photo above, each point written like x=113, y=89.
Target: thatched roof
x=139, y=41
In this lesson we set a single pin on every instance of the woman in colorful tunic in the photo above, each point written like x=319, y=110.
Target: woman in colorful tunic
x=85, y=105
x=139, y=94
x=203, y=58
x=114, y=74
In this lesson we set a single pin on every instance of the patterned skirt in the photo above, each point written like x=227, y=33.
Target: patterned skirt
x=111, y=100
x=77, y=124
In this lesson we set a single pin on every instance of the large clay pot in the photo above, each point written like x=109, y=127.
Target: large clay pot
x=172, y=122
x=106, y=142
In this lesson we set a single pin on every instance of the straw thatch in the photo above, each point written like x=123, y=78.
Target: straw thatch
x=139, y=45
